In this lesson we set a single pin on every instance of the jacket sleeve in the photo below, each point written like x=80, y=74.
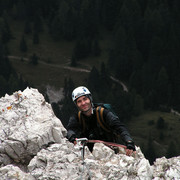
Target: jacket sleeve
x=117, y=126
x=73, y=128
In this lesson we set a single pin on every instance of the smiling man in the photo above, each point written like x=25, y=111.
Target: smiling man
x=86, y=122
x=84, y=105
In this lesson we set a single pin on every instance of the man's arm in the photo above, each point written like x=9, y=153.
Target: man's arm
x=119, y=128
x=73, y=129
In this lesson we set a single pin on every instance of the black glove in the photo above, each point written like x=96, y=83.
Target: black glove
x=130, y=145
x=72, y=139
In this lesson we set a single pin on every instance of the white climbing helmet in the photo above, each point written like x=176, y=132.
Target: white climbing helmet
x=80, y=91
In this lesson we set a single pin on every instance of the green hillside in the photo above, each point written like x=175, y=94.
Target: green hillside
x=70, y=43
x=55, y=55
x=162, y=128
x=54, y=58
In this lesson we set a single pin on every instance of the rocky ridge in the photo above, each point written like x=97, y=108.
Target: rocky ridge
x=33, y=145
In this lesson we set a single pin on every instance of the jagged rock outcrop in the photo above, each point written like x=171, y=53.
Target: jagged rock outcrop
x=33, y=146
x=11, y=172
x=63, y=161
x=27, y=125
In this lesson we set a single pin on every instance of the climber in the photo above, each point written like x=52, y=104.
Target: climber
x=87, y=123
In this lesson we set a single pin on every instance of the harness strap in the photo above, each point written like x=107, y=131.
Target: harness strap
x=81, y=121
x=100, y=119
x=99, y=110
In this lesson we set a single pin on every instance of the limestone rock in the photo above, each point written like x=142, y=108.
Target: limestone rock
x=57, y=163
x=27, y=125
x=11, y=172
x=33, y=146
x=167, y=168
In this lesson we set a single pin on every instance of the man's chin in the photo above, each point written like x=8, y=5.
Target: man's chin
x=85, y=110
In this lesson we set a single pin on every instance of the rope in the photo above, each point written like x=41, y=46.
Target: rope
x=107, y=143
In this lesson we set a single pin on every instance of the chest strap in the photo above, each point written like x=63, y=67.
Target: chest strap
x=100, y=119
x=81, y=121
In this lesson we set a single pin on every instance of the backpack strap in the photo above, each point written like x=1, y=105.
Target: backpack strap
x=81, y=121
x=100, y=119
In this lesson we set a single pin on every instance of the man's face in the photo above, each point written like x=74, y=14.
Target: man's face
x=83, y=103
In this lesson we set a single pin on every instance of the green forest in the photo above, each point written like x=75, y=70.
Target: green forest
x=135, y=41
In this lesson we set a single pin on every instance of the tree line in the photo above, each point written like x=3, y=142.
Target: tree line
x=10, y=81
x=143, y=52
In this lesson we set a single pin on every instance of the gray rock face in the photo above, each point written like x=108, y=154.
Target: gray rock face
x=33, y=146
x=27, y=124
x=11, y=172
x=63, y=161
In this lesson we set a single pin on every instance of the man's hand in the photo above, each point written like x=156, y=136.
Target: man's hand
x=73, y=140
x=130, y=148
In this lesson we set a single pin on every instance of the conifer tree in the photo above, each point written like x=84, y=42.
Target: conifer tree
x=20, y=10
x=119, y=55
x=35, y=37
x=68, y=87
x=3, y=86
x=138, y=105
x=5, y=67
x=171, y=151
x=104, y=83
x=93, y=80
x=160, y=123
x=153, y=4
x=174, y=64
x=132, y=16
x=155, y=55
x=37, y=23
x=110, y=10
x=23, y=45
x=135, y=81
x=57, y=26
x=34, y=59
x=70, y=25
x=162, y=87
x=150, y=100
x=13, y=84
x=96, y=51
x=67, y=106
x=27, y=27
x=150, y=152
x=5, y=33
x=73, y=61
